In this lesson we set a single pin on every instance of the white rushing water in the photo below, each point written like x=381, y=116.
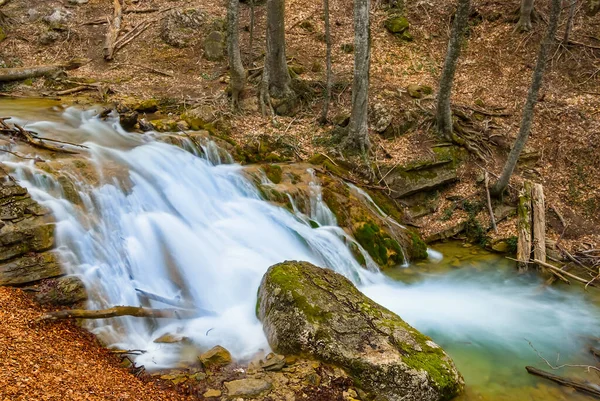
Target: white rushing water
x=185, y=227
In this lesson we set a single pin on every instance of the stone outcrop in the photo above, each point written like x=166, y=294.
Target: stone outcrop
x=26, y=233
x=307, y=310
x=423, y=175
x=388, y=243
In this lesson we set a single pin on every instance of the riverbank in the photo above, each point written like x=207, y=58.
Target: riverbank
x=61, y=361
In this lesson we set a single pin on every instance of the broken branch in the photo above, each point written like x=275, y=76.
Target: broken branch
x=21, y=73
x=117, y=311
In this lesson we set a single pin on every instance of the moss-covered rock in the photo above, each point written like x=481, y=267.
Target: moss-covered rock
x=396, y=24
x=214, y=46
x=317, y=312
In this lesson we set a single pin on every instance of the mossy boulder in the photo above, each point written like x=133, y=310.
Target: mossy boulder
x=216, y=356
x=314, y=311
x=418, y=91
x=398, y=25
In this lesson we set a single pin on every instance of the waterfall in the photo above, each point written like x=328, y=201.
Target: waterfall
x=163, y=220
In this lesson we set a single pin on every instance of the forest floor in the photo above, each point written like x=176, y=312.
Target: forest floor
x=494, y=72
x=59, y=361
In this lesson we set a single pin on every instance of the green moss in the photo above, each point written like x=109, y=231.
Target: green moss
x=397, y=24
x=419, y=247
x=2, y=34
x=273, y=173
x=383, y=249
x=146, y=106
x=285, y=276
x=386, y=204
x=336, y=207
x=512, y=244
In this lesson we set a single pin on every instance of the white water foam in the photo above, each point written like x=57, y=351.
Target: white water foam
x=186, y=228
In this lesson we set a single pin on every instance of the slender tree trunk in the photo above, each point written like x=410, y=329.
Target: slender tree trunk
x=251, y=44
x=358, y=132
x=526, y=14
x=444, y=112
x=329, y=83
x=532, y=96
x=570, y=22
x=279, y=76
x=236, y=68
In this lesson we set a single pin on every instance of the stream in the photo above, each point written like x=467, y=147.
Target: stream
x=161, y=219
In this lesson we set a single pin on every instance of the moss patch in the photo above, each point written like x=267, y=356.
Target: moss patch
x=273, y=173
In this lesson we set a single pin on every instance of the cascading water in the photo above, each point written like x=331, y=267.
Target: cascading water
x=189, y=228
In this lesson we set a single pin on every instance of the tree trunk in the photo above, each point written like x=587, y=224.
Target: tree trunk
x=532, y=96
x=114, y=27
x=329, y=83
x=539, y=222
x=358, y=132
x=569, y=27
x=524, y=228
x=251, y=44
x=236, y=69
x=525, y=15
x=444, y=112
x=279, y=76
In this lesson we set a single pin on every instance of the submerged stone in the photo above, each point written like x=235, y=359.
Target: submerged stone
x=314, y=311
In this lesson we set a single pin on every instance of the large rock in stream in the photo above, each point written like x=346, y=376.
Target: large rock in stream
x=313, y=311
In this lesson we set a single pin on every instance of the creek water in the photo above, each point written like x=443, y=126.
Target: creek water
x=189, y=226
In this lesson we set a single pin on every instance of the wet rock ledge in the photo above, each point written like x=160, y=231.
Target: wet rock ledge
x=26, y=243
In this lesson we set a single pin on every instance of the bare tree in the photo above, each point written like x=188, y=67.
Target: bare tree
x=251, y=44
x=569, y=27
x=276, y=76
x=329, y=83
x=532, y=97
x=236, y=69
x=358, y=132
x=444, y=112
x=526, y=15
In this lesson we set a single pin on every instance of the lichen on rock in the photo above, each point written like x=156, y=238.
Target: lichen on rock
x=307, y=310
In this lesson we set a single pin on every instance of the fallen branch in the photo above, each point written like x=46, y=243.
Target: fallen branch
x=566, y=273
x=21, y=73
x=30, y=138
x=134, y=33
x=73, y=90
x=578, y=386
x=118, y=311
x=114, y=27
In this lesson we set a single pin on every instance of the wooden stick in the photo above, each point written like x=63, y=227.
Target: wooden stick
x=134, y=33
x=539, y=222
x=73, y=90
x=21, y=73
x=117, y=311
x=114, y=27
x=566, y=273
x=489, y=202
x=578, y=386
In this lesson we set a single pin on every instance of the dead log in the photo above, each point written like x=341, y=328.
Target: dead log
x=117, y=311
x=563, y=381
x=524, y=227
x=21, y=73
x=539, y=222
x=114, y=28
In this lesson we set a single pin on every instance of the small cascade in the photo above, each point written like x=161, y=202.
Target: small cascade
x=192, y=227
